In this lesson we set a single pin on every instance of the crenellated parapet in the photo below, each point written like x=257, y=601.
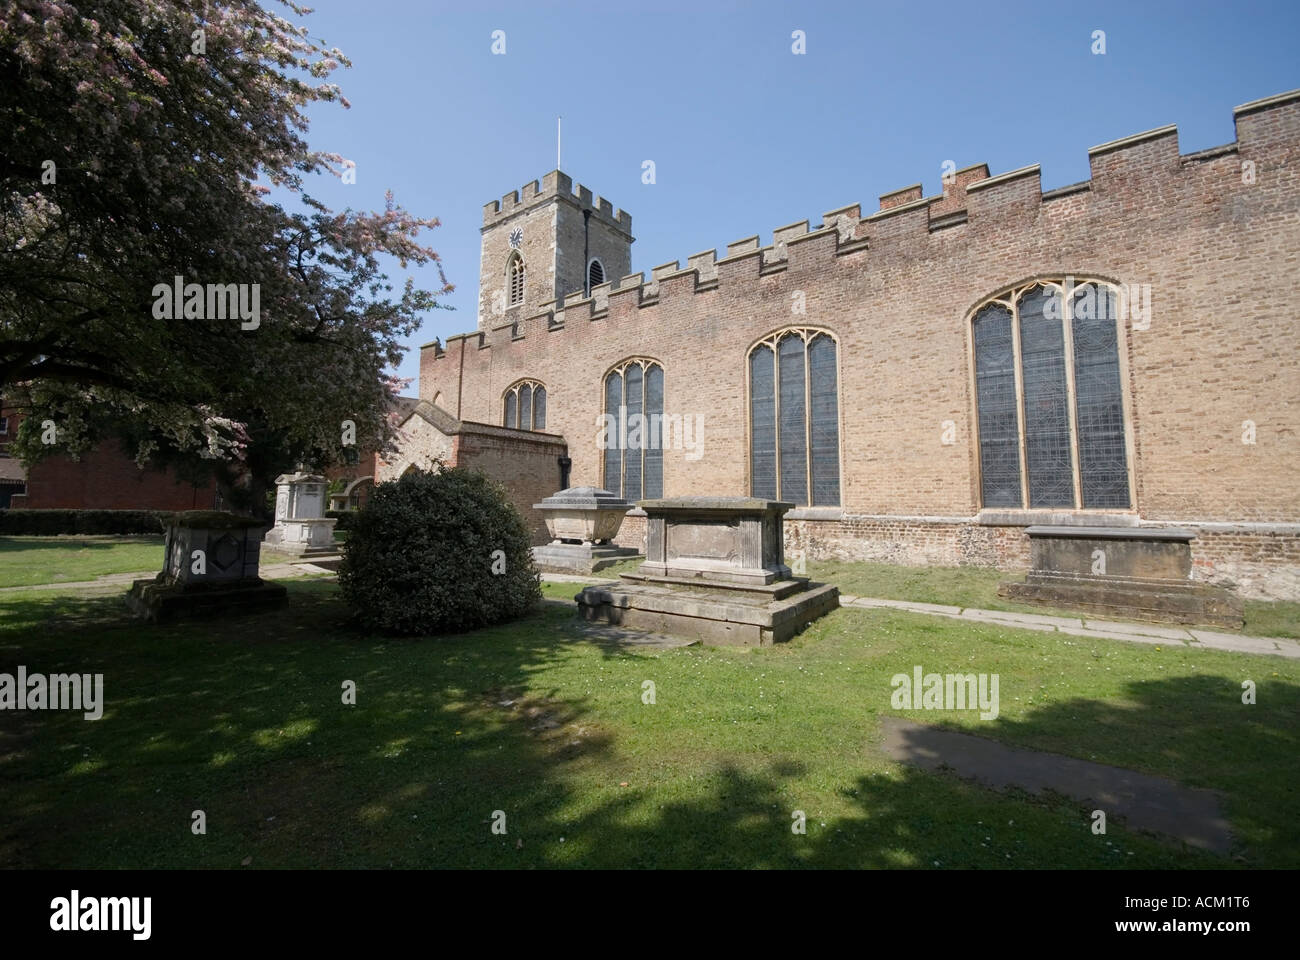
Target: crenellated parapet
x=1136, y=175
x=555, y=185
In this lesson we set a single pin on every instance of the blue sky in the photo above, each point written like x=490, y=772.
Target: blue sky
x=745, y=135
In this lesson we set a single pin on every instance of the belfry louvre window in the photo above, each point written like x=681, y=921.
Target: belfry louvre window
x=525, y=406
x=1049, y=398
x=633, y=431
x=595, y=274
x=794, y=436
x=515, y=278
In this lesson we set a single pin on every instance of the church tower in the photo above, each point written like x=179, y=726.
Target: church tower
x=545, y=243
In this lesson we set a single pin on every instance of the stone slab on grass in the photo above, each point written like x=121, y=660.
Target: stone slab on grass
x=1144, y=802
x=626, y=636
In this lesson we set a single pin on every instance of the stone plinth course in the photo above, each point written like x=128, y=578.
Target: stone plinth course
x=1125, y=572
x=714, y=570
x=210, y=566
x=582, y=522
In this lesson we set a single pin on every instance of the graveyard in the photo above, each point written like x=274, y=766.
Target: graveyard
x=374, y=495
x=547, y=721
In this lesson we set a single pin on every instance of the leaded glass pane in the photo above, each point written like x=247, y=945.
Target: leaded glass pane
x=511, y=419
x=613, y=453
x=635, y=434
x=525, y=407
x=762, y=423
x=539, y=408
x=995, y=400
x=654, y=411
x=793, y=441
x=1099, y=405
x=1048, y=458
x=825, y=422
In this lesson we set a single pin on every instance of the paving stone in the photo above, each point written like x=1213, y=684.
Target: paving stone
x=1277, y=646
x=935, y=608
x=1147, y=629
x=1144, y=802
x=1115, y=635
x=1030, y=620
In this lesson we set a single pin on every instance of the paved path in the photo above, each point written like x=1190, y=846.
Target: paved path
x=1191, y=814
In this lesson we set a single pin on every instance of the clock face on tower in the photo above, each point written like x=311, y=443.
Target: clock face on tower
x=516, y=238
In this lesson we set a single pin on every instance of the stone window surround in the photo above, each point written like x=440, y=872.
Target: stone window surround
x=1009, y=298
x=514, y=388
x=621, y=368
x=807, y=333
x=516, y=277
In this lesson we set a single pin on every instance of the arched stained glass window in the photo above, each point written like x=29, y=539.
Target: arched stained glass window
x=1049, y=398
x=794, y=449
x=525, y=406
x=633, y=432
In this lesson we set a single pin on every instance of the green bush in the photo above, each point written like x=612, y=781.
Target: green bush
x=49, y=523
x=421, y=556
x=344, y=518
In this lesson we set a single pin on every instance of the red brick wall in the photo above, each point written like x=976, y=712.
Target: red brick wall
x=107, y=479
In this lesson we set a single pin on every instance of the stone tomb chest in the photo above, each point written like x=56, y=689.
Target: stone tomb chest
x=210, y=567
x=1140, y=573
x=731, y=539
x=581, y=521
x=714, y=570
x=301, y=527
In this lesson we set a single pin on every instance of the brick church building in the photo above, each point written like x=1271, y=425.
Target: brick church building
x=922, y=381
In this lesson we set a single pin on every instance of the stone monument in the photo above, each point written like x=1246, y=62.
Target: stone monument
x=1138, y=573
x=583, y=521
x=301, y=527
x=210, y=566
x=715, y=569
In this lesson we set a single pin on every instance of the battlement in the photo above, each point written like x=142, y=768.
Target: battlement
x=1135, y=176
x=555, y=185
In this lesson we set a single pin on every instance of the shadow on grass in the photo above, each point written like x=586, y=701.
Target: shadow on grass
x=243, y=719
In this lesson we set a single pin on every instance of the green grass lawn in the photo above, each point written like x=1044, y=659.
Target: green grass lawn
x=30, y=561
x=26, y=561
x=243, y=720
